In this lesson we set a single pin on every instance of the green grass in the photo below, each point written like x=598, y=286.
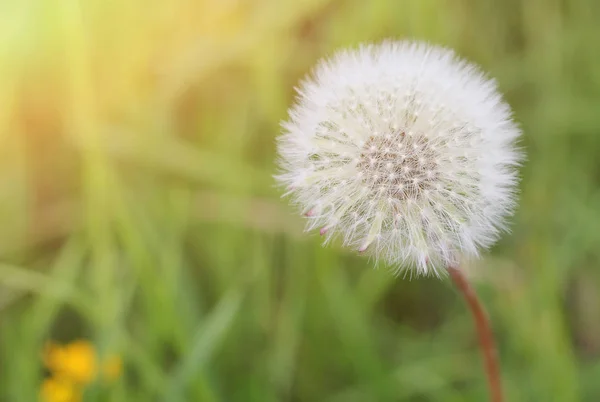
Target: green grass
x=138, y=209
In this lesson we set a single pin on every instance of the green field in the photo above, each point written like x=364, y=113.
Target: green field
x=138, y=209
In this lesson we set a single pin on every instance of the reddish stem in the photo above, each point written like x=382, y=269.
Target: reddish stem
x=484, y=331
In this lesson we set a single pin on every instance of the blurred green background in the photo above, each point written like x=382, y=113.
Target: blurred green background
x=138, y=209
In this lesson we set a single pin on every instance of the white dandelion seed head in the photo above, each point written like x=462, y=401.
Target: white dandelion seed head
x=403, y=150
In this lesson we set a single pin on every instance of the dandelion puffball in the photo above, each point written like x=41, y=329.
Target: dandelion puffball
x=404, y=151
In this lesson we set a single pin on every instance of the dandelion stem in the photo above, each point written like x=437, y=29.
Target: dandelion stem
x=484, y=331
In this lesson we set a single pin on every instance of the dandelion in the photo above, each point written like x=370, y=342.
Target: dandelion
x=404, y=151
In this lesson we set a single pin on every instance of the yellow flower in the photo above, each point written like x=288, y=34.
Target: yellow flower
x=75, y=361
x=59, y=390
